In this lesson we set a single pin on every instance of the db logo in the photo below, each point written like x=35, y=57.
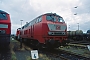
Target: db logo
x=57, y=27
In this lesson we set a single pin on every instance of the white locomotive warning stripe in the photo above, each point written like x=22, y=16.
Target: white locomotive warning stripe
x=3, y=26
x=55, y=27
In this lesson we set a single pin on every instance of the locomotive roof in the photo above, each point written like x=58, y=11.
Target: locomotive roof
x=3, y=12
x=49, y=14
x=52, y=14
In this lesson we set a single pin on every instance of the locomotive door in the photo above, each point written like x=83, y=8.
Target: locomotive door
x=32, y=31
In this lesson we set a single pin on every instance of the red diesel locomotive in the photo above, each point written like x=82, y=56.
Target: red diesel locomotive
x=5, y=28
x=47, y=30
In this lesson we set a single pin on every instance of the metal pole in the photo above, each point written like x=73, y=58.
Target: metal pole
x=21, y=33
x=21, y=22
x=69, y=29
x=78, y=26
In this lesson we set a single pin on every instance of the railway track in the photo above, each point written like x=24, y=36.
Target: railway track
x=58, y=54
x=80, y=42
x=78, y=45
x=63, y=55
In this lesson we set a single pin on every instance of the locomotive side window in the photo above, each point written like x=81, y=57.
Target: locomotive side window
x=37, y=20
x=32, y=22
x=23, y=27
x=3, y=16
x=29, y=24
x=40, y=19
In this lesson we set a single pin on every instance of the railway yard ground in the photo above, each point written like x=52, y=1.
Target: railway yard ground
x=69, y=52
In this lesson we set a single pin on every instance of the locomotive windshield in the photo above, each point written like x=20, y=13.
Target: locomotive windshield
x=50, y=17
x=3, y=16
x=54, y=18
x=60, y=19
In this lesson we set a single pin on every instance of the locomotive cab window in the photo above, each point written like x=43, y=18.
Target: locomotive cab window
x=50, y=18
x=60, y=19
x=3, y=16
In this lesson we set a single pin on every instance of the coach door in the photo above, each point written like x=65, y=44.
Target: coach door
x=32, y=31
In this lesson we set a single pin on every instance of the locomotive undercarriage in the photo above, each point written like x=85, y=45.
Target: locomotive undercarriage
x=52, y=43
x=4, y=40
x=55, y=43
x=49, y=42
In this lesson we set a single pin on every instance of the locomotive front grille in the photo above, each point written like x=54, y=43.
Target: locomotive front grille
x=56, y=33
x=4, y=37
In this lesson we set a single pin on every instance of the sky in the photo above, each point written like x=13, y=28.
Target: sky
x=27, y=10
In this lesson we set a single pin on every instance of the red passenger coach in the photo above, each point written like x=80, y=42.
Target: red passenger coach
x=5, y=28
x=47, y=30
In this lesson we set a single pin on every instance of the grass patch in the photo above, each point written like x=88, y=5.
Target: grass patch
x=13, y=56
x=28, y=58
x=13, y=40
x=44, y=57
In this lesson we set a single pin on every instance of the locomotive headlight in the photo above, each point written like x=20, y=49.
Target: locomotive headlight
x=56, y=33
x=2, y=31
x=63, y=33
x=50, y=33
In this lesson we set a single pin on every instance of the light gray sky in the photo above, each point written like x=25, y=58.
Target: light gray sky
x=27, y=10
